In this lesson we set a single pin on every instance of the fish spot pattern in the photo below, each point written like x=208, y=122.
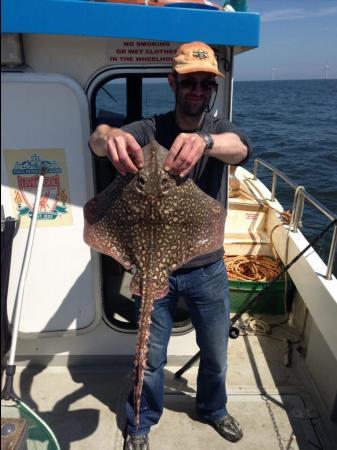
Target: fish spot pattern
x=154, y=223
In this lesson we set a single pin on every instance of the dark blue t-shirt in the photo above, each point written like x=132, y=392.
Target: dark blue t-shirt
x=209, y=174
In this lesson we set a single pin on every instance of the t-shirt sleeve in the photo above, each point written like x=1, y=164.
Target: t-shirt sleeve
x=142, y=130
x=224, y=126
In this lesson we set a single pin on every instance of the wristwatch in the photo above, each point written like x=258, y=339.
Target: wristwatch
x=207, y=138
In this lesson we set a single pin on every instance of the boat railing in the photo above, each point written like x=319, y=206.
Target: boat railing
x=300, y=196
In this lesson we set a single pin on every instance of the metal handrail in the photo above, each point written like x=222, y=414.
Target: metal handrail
x=298, y=205
x=275, y=173
x=298, y=208
x=303, y=195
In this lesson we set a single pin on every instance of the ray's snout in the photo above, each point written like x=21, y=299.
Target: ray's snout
x=153, y=184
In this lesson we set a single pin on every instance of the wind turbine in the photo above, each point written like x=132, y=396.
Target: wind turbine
x=326, y=71
x=273, y=71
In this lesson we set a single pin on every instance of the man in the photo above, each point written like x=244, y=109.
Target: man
x=200, y=147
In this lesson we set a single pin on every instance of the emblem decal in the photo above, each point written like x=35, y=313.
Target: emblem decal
x=24, y=173
x=200, y=54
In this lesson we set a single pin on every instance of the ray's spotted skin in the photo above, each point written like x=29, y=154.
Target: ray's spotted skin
x=153, y=223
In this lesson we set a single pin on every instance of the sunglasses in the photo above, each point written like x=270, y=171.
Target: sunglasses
x=191, y=84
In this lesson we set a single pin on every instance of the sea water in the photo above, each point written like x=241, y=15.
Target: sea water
x=293, y=126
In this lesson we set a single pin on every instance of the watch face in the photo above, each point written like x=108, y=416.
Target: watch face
x=210, y=142
x=207, y=138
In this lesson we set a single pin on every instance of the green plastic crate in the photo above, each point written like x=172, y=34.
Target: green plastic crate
x=270, y=302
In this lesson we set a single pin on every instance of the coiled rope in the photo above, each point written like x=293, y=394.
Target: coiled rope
x=256, y=268
x=263, y=269
x=251, y=267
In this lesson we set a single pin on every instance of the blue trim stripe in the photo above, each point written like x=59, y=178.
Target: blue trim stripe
x=89, y=18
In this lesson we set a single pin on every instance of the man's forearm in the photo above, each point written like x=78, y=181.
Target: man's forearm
x=99, y=138
x=120, y=147
x=228, y=147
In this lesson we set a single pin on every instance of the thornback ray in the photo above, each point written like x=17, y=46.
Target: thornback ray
x=152, y=223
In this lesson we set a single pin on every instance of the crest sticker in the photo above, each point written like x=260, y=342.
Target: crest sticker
x=23, y=168
x=200, y=54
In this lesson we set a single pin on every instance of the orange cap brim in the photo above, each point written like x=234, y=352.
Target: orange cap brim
x=191, y=69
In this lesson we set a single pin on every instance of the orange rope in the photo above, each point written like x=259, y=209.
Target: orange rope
x=252, y=268
x=255, y=268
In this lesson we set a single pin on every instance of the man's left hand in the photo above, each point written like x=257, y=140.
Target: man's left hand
x=185, y=152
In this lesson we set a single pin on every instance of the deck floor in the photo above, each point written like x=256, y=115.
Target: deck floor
x=277, y=406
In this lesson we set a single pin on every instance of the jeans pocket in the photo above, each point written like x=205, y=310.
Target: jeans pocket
x=213, y=269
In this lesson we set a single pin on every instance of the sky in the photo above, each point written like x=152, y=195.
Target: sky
x=298, y=40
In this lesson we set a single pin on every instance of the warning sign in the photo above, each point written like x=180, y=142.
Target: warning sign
x=140, y=52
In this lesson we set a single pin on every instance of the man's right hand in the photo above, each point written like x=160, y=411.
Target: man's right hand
x=119, y=147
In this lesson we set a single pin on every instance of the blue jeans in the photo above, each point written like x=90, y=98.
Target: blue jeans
x=205, y=290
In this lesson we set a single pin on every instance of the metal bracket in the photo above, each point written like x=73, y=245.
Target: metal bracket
x=9, y=219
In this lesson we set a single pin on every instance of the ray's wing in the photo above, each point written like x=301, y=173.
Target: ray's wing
x=190, y=224
x=105, y=227
x=196, y=227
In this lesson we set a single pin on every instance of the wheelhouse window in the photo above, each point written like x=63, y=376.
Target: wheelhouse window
x=117, y=101
x=110, y=103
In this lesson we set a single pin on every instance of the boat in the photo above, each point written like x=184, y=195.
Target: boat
x=77, y=330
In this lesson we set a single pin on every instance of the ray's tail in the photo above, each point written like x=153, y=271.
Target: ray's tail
x=141, y=348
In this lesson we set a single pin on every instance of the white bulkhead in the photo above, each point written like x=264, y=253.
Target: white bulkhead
x=49, y=105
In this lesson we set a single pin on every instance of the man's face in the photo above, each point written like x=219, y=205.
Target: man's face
x=193, y=92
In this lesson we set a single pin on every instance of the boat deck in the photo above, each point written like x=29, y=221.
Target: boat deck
x=277, y=406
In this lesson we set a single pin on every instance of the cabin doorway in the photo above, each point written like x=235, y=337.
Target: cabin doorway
x=117, y=99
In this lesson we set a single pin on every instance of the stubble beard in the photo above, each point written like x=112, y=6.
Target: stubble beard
x=188, y=109
x=192, y=112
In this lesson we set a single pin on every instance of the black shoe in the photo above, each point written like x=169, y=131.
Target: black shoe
x=136, y=442
x=228, y=427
